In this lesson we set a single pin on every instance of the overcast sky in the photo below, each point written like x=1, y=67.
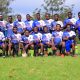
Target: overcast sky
x=28, y=6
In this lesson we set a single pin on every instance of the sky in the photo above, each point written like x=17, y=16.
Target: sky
x=24, y=7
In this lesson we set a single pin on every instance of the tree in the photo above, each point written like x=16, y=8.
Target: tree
x=53, y=6
x=4, y=7
x=65, y=10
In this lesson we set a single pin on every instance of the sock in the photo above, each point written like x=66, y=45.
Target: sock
x=54, y=51
x=73, y=52
x=63, y=50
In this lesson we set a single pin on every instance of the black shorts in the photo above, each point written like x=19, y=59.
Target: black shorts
x=15, y=45
x=59, y=47
x=45, y=47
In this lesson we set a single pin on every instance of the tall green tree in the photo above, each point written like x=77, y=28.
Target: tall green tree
x=53, y=6
x=4, y=7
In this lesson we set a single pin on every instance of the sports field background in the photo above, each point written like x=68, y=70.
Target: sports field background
x=40, y=68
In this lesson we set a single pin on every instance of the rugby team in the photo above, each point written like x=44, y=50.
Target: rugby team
x=39, y=35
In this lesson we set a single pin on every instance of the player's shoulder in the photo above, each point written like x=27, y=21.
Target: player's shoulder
x=64, y=31
x=1, y=33
x=54, y=32
x=49, y=33
x=39, y=33
x=18, y=34
x=59, y=22
x=31, y=21
x=74, y=18
x=61, y=31
x=30, y=35
x=15, y=21
x=66, y=19
x=23, y=36
x=35, y=20
x=41, y=20
x=22, y=22
x=72, y=31
x=51, y=20
x=78, y=21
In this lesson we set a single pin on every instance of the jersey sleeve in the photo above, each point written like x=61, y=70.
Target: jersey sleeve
x=19, y=38
x=3, y=37
x=31, y=38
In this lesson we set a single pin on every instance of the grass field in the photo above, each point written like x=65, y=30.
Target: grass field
x=40, y=68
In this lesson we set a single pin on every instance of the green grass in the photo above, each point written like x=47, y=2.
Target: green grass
x=40, y=68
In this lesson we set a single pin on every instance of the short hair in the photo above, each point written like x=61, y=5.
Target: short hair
x=26, y=31
x=78, y=13
x=56, y=14
x=68, y=25
x=45, y=27
x=70, y=12
x=18, y=15
x=15, y=27
x=47, y=14
x=10, y=16
x=58, y=24
x=28, y=15
x=38, y=13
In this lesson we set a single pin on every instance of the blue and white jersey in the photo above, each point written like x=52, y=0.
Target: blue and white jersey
x=72, y=33
x=15, y=38
x=54, y=23
x=29, y=25
x=78, y=24
x=57, y=35
x=3, y=24
x=9, y=27
x=68, y=34
x=72, y=20
x=2, y=37
x=48, y=23
x=39, y=24
x=37, y=37
x=46, y=37
x=27, y=39
x=20, y=25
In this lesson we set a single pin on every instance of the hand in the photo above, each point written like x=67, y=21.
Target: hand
x=54, y=48
x=70, y=23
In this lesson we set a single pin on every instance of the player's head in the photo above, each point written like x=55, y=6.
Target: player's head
x=35, y=29
x=68, y=27
x=1, y=17
x=19, y=17
x=69, y=14
x=45, y=29
x=26, y=33
x=47, y=16
x=15, y=29
x=58, y=27
x=79, y=15
x=28, y=17
x=10, y=19
x=56, y=17
x=38, y=16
